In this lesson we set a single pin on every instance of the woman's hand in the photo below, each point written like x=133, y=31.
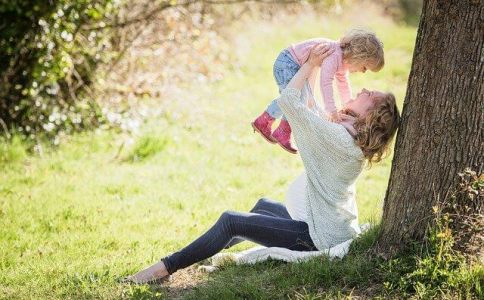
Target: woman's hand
x=318, y=53
x=344, y=117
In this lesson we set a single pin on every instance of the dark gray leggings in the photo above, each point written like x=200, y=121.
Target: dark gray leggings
x=268, y=224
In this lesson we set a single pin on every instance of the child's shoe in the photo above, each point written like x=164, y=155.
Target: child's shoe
x=283, y=136
x=263, y=125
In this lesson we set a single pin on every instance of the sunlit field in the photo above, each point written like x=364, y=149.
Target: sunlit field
x=79, y=217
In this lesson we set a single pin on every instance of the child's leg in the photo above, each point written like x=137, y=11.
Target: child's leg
x=282, y=74
x=283, y=70
x=273, y=110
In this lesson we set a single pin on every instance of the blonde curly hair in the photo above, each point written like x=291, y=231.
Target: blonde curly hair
x=362, y=46
x=375, y=131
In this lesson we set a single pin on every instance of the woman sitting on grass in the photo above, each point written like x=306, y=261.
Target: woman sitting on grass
x=324, y=214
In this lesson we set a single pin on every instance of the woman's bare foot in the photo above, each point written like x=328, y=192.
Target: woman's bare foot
x=156, y=272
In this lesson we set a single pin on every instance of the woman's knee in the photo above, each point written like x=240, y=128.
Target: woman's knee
x=227, y=219
x=228, y=216
x=260, y=203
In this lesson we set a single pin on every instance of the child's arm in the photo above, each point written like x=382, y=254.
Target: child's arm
x=344, y=87
x=328, y=71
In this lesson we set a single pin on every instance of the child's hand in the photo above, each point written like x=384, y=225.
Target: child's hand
x=318, y=53
x=335, y=117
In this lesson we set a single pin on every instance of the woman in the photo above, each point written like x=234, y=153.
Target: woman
x=324, y=213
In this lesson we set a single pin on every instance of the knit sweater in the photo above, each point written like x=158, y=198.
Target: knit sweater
x=333, y=162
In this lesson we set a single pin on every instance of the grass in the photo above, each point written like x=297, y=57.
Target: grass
x=12, y=150
x=147, y=146
x=77, y=218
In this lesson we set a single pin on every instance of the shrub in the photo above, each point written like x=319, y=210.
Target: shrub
x=49, y=55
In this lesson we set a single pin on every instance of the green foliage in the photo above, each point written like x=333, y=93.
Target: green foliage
x=143, y=292
x=49, y=55
x=147, y=146
x=438, y=272
x=12, y=150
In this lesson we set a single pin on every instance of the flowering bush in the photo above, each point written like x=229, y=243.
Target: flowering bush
x=48, y=60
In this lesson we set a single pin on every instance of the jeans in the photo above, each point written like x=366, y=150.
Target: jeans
x=268, y=224
x=284, y=70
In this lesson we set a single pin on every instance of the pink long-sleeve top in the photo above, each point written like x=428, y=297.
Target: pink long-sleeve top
x=331, y=68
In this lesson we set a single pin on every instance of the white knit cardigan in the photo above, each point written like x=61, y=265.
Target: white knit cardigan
x=333, y=162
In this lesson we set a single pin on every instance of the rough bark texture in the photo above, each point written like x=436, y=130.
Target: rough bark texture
x=442, y=118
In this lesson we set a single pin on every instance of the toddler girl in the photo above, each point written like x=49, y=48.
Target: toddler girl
x=357, y=51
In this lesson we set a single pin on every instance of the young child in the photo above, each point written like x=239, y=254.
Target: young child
x=357, y=51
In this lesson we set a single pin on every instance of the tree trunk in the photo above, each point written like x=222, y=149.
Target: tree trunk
x=442, y=120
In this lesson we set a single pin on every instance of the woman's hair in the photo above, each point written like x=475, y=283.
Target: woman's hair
x=375, y=131
x=362, y=46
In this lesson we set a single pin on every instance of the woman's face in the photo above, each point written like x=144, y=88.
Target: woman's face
x=364, y=101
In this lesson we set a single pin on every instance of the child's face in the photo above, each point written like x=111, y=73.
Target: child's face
x=364, y=101
x=357, y=67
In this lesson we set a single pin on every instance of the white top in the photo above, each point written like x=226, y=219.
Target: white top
x=332, y=162
x=296, y=199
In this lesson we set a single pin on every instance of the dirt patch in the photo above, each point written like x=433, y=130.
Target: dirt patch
x=183, y=281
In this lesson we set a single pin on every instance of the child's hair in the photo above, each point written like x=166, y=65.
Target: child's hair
x=360, y=46
x=375, y=131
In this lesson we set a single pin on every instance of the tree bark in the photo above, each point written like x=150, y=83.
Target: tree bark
x=442, y=119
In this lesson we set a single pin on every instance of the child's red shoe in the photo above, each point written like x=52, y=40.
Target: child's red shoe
x=283, y=136
x=263, y=125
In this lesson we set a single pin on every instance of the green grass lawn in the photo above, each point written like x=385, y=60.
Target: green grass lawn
x=78, y=218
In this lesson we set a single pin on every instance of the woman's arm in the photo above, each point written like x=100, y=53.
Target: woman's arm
x=312, y=82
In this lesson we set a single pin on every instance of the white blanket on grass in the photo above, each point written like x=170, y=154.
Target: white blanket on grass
x=261, y=253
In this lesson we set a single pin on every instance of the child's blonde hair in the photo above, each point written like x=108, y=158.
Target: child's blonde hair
x=375, y=131
x=362, y=46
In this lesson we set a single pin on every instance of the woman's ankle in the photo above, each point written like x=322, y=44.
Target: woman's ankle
x=162, y=271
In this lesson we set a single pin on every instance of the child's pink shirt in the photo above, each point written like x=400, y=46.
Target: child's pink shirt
x=332, y=67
